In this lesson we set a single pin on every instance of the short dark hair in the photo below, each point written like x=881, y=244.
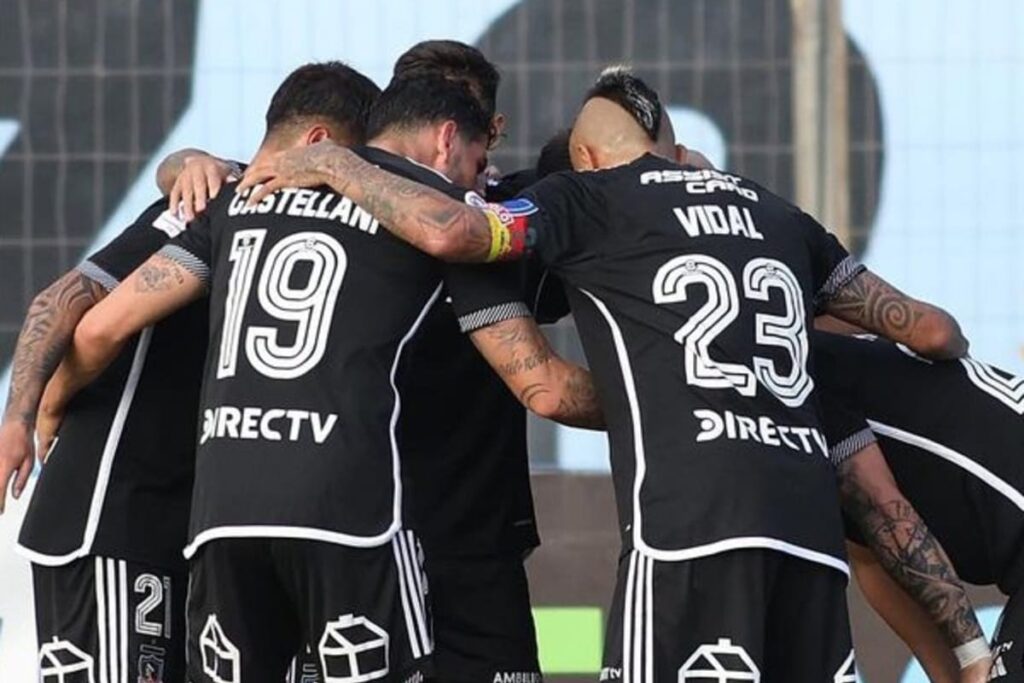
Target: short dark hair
x=456, y=61
x=408, y=103
x=327, y=90
x=554, y=155
x=629, y=91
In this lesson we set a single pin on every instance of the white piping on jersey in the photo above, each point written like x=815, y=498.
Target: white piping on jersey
x=106, y=464
x=315, y=534
x=640, y=472
x=952, y=456
x=432, y=170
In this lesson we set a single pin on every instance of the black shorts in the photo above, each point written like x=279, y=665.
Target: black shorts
x=1008, y=643
x=759, y=614
x=110, y=621
x=254, y=604
x=483, y=626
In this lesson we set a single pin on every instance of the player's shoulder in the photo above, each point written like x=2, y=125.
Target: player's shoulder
x=411, y=169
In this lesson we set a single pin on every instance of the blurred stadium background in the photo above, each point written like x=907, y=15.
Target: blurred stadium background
x=897, y=122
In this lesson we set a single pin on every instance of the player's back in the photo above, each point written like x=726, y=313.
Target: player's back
x=312, y=303
x=952, y=433
x=693, y=291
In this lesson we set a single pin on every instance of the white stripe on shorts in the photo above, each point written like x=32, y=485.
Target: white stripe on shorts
x=101, y=616
x=403, y=591
x=638, y=621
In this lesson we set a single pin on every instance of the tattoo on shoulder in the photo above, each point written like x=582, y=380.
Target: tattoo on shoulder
x=158, y=275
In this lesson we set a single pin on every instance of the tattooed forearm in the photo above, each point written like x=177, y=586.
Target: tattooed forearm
x=871, y=303
x=45, y=336
x=912, y=556
x=158, y=275
x=416, y=213
x=543, y=382
x=876, y=305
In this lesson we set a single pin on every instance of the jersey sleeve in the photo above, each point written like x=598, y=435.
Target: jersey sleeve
x=193, y=249
x=846, y=429
x=833, y=267
x=136, y=243
x=485, y=295
x=547, y=216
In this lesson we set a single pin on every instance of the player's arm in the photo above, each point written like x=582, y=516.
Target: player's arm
x=426, y=218
x=45, y=336
x=908, y=551
x=903, y=615
x=192, y=177
x=872, y=304
x=545, y=383
x=159, y=287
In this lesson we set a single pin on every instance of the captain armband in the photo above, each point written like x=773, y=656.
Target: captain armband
x=508, y=233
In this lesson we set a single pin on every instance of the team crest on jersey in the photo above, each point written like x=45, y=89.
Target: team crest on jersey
x=222, y=661
x=722, y=662
x=61, y=661
x=353, y=649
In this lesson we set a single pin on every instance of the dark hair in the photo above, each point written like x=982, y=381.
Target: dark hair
x=455, y=61
x=621, y=86
x=554, y=155
x=408, y=103
x=328, y=90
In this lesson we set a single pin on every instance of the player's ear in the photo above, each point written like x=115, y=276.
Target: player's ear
x=317, y=134
x=681, y=154
x=583, y=158
x=446, y=139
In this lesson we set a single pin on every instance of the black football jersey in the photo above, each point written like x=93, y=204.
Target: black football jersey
x=952, y=433
x=312, y=306
x=458, y=502
x=119, y=479
x=693, y=292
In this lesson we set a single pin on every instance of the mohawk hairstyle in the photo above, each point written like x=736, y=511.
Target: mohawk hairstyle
x=620, y=85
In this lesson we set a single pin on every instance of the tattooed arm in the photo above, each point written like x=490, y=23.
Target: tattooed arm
x=904, y=546
x=542, y=381
x=427, y=219
x=45, y=336
x=871, y=303
x=156, y=289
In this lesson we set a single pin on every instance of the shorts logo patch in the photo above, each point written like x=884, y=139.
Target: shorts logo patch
x=221, y=660
x=722, y=662
x=60, y=661
x=847, y=672
x=353, y=649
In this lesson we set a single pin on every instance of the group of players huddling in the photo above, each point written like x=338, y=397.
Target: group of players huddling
x=347, y=328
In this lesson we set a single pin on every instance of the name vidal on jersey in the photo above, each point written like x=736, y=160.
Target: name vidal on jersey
x=764, y=430
x=308, y=204
x=713, y=220
x=275, y=424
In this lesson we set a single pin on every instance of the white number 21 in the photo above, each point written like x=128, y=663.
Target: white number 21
x=309, y=307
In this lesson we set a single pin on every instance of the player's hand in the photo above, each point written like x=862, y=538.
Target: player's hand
x=199, y=182
x=296, y=167
x=16, y=456
x=47, y=426
x=977, y=672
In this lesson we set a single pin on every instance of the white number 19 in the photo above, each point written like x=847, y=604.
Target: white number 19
x=310, y=306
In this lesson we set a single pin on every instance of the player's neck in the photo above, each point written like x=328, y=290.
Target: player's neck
x=409, y=146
